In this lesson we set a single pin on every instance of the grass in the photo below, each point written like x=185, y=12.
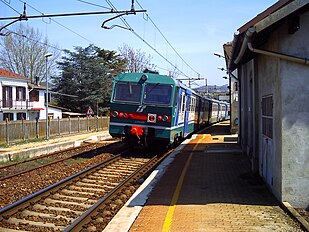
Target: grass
x=5, y=145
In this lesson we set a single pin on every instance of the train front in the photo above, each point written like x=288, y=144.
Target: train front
x=141, y=108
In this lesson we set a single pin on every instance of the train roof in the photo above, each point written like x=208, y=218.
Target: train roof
x=157, y=78
x=151, y=78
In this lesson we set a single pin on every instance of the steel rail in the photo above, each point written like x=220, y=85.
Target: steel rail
x=13, y=208
x=85, y=218
x=45, y=165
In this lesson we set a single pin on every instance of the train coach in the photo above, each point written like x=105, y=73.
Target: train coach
x=149, y=107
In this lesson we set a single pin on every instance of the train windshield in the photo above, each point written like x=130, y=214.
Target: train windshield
x=157, y=94
x=127, y=92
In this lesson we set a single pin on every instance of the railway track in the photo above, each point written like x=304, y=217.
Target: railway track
x=86, y=200
x=18, y=168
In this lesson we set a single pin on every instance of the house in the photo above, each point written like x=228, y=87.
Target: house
x=20, y=99
x=14, y=96
x=270, y=57
x=37, y=97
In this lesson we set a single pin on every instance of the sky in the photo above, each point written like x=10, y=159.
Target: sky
x=192, y=30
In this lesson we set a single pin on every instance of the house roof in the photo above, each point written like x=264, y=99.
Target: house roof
x=264, y=23
x=58, y=107
x=6, y=73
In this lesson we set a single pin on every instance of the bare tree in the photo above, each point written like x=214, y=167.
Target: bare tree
x=174, y=72
x=137, y=61
x=23, y=50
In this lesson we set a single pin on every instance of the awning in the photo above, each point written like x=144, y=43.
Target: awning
x=37, y=109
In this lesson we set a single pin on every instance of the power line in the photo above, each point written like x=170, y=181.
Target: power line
x=37, y=41
x=147, y=43
x=89, y=41
x=93, y=4
x=167, y=40
x=7, y=4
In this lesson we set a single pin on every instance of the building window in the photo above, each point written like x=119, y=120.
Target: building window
x=20, y=94
x=34, y=95
x=21, y=116
x=8, y=116
x=7, y=96
x=267, y=116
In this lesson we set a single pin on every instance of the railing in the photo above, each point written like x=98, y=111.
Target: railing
x=14, y=104
x=25, y=130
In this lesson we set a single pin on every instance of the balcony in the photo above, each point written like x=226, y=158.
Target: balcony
x=16, y=105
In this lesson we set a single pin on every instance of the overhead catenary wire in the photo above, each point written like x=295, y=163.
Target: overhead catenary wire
x=89, y=41
x=168, y=42
x=127, y=25
x=147, y=43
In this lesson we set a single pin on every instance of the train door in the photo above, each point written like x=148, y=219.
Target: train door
x=181, y=111
x=187, y=112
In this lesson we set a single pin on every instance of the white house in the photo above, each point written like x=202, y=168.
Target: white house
x=20, y=99
x=14, y=96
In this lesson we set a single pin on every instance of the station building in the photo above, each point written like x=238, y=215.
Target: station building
x=269, y=56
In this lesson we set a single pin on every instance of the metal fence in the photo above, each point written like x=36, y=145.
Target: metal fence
x=25, y=130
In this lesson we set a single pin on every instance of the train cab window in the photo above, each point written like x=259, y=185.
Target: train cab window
x=158, y=94
x=127, y=92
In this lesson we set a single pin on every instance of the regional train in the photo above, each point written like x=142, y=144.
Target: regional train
x=148, y=108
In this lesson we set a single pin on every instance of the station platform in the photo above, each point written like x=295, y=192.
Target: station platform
x=205, y=185
x=54, y=144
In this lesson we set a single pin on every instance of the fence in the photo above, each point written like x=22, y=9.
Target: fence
x=24, y=130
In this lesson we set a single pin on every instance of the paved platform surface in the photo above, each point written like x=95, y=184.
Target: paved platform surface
x=72, y=137
x=207, y=186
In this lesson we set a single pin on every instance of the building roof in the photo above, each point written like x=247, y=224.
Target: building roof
x=58, y=107
x=5, y=73
x=264, y=24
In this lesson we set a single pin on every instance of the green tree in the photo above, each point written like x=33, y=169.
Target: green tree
x=86, y=73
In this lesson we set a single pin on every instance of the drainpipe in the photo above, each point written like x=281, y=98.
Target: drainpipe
x=247, y=43
x=244, y=45
x=236, y=34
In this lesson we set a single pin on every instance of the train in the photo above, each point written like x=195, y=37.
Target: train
x=148, y=108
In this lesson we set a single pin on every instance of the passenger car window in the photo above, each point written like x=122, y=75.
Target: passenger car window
x=127, y=92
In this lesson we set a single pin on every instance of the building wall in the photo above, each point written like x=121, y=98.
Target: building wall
x=295, y=115
x=17, y=107
x=270, y=155
x=286, y=166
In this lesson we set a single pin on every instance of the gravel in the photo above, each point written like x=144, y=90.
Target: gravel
x=16, y=188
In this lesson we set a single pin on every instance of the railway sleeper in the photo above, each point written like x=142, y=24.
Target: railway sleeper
x=84, y=199
x=93, y=190
x=74, y=193
x=98, y=182
x=46, y=215
x=57, y=209
x=80, y=183
x=108, y=174
x=124, y=170
x=17, y=222
x=52, y=201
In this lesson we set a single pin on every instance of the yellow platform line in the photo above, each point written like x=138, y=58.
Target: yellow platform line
x=171, y=209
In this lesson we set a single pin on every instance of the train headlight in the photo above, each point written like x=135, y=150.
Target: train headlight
x=114, y=114
x=152, y=118
x=164, y=118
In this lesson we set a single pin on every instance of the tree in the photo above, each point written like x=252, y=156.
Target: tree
x=88, y=74
x=23, y=50
x=136, y=61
